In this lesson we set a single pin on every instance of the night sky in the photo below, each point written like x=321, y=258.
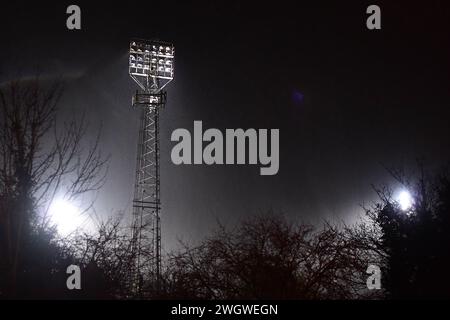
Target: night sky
x=347, y=100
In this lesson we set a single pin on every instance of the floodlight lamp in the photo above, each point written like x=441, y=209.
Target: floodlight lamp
x=153, y=68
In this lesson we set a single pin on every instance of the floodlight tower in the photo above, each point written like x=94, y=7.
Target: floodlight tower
x=151, y=66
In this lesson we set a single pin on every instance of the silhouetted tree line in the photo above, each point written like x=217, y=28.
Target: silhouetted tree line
x=265, y=257
x=416, y=241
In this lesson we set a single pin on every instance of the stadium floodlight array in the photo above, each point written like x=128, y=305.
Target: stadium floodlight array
x=151, y=64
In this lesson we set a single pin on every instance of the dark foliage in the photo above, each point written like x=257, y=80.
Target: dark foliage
x=417, y=241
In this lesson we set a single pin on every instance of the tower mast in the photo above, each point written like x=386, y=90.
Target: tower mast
x=151, y=66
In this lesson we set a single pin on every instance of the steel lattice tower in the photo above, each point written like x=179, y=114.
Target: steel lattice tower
x=151, y=66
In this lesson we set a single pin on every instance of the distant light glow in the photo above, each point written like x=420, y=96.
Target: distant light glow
x=405, y=200
x=65, y=216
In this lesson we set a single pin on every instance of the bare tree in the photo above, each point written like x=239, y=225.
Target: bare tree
x=108, y=256
x=269, y=258
x=109, y=250
x=37, y=161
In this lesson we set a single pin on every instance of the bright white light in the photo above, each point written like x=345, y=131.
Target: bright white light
x=405, y=200
x=65, y=216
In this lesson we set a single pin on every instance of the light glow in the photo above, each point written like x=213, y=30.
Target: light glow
x=65, y=216
x=405, y=200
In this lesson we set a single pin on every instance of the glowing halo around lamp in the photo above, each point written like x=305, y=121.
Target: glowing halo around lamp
x=65, y=216
x=405, y=200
